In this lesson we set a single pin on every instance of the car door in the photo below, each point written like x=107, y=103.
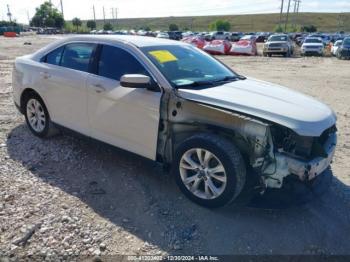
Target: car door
x=124, y=117
x=63, y=81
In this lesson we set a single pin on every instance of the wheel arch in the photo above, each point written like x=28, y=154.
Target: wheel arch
x=25, y=95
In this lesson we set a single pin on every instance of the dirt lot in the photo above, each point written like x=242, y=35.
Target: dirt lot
x=71, y=196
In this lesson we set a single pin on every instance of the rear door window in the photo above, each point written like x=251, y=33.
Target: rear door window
x=54, y=57
x=77, y=56
x=115, y=62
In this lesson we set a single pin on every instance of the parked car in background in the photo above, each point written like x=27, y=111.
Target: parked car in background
x=218, y=35
x=163, y=35
x=217, y=47
x=336, y=46
x=245, y=46
x=344, y=49
x=197, y=41
x=187, y=34
x=279, y=44
x=133, y=91
x=175, y=35
x=312, y=46
x=261, y=38
x=235, y=36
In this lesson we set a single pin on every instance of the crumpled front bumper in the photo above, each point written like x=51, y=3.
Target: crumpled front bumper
x=307, y=170
x=286, y=165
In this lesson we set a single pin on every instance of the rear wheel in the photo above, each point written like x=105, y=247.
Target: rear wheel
x=209, y=170
x=37, y=117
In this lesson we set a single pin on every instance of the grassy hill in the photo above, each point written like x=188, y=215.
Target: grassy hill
x=327, y=22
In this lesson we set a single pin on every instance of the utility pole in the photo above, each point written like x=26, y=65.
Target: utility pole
x=285, y=26
x=28, y=17
x=112, y=11
x=116, y=15
x=9, y=13
x=294, y=12
x=61, y=1
x=104, y=15
x=282, y=3
x=93, y=9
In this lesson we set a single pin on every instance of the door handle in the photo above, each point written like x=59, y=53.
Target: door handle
x=99, y=88
x=45, y=75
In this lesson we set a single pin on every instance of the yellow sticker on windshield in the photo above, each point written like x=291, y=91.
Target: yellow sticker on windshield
x=163, y=56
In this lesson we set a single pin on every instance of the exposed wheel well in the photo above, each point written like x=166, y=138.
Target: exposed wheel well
x=24, y=96
x=180, y=133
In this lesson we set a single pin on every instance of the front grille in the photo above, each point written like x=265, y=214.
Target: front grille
x=345, y=52
x=275, y=45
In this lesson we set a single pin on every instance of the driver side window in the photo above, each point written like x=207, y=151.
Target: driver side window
x=115, y=62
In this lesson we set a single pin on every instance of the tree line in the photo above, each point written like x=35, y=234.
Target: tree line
x=46, y=15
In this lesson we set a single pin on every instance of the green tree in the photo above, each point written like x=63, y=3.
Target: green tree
x=220, y=25
x=91, y=24
x=46, y=15
x=173, y=27
x=107, y=27
x=7, y=23
x=76, y=22
x=278, y=29
x=309, y=28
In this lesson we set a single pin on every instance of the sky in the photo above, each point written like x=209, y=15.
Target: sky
x=21, y=9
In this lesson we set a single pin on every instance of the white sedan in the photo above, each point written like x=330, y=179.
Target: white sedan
x=336, y=46
x=171, y=102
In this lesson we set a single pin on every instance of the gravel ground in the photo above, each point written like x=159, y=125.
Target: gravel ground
x=70, y=196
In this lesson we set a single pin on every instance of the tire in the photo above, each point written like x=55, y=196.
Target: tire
x=270, y=55
x=227, y=181
x=35, y=109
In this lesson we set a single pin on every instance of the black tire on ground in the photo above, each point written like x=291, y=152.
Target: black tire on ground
x=49, y=128
x=229, y=156
x=270, y=55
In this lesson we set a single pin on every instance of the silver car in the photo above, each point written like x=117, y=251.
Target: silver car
x=175, y=104
x=279, y=44
x=312, y=46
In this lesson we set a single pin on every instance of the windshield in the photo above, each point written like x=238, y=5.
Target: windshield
x=312, y=40
x=276, y=38
x=346, y=41
x=187, y=66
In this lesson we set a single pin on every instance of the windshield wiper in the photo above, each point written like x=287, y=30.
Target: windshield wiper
x=230, y=79
x=196, y=84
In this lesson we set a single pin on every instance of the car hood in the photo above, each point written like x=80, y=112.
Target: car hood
x=276, y=42
x=303, y=114
x=313, y=44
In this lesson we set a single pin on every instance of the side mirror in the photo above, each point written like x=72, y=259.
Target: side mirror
x=135, y=81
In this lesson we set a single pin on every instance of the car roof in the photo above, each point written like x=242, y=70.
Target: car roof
x=139, y=41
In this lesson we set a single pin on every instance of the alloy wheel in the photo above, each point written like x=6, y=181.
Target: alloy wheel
x=202, y=173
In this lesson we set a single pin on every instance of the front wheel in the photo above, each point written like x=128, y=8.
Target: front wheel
x=209, y=170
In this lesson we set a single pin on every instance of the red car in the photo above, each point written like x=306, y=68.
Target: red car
x=218, y=47
x=195, y=41
x=245, y=46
